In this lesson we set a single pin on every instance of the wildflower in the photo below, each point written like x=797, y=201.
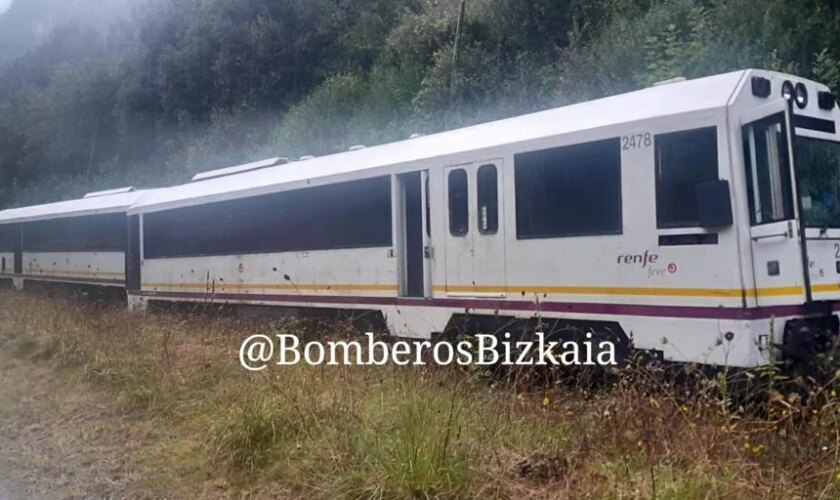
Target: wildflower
x=747, y=446
x=837, y=477
x=520, y=397
x=833, y=393
x=640, y=443
x=546, y=401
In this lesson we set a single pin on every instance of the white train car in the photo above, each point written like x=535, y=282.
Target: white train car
x=9, y=241
x=79, y=241
x=677, y=215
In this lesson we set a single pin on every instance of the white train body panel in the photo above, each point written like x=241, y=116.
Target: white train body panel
x=349, y=272
x=93, y=268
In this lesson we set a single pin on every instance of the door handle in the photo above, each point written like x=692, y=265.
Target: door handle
x=785, y=234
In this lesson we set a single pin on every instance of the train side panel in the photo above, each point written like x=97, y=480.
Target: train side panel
x=94, y=268
x=297, y=277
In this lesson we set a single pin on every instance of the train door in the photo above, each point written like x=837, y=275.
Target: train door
x=19, y=250
x=475, y=240
x=132, y=254
x=774, y=231
x=414, y=270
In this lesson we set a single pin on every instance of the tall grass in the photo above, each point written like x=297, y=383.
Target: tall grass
x=422, y=432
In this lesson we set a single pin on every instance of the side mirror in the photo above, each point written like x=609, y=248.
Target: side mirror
x=714, y=205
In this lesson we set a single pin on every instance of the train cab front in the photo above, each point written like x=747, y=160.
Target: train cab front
x=791, y=151
x=813, y=339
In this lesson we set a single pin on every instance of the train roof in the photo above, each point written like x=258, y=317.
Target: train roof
x=674, y=98
x=94, y=203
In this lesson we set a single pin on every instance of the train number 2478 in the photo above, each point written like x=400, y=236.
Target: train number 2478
x=636, y=141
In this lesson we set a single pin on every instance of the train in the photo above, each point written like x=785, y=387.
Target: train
x=696, y=219
x=80, y=241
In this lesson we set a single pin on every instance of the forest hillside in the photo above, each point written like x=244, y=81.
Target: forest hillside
x=97, y=94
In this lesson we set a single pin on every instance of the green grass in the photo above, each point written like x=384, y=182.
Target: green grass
x=188, y=421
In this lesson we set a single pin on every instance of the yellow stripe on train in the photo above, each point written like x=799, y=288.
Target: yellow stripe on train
x=511, y=289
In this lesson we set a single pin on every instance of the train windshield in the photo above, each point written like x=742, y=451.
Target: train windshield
x=818, y=172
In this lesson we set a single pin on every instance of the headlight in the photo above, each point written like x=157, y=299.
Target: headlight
x=787, y=90
x=801, y=95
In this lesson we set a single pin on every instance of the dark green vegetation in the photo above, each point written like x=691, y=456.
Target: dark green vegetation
x=147, y=91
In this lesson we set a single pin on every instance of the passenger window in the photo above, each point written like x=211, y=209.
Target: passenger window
x=459, y=219
x=352, y=214
x=768, y=171
x=683, y=160
x=9, y=234
x=3, y=267
x=488, y=200
x=569, y=191
x=87, y=233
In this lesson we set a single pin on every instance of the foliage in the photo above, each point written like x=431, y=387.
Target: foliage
x=178, y=86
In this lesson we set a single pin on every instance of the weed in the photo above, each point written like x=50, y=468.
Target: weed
x=188, y=421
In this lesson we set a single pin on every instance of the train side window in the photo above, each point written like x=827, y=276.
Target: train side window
x=3, y=266
x=459, y=203
x=569, y=191
x=683, y=160
x=8, y=237
x=768, y=172
x=488, y=199
x=352, y=214
x=88, y=233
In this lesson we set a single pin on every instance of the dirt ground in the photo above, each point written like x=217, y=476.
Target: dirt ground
x=57, y=441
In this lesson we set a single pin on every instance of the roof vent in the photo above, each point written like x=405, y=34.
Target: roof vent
x=357, y=147
x=306, y=157
x=416, y=135
x=238, y=169
x=669, y=81
x=109, y=192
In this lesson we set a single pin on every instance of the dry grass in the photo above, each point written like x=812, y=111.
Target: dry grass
x=96, y=402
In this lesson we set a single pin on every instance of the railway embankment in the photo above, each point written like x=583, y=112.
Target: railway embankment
x=98, y=402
